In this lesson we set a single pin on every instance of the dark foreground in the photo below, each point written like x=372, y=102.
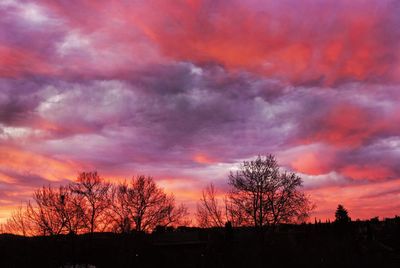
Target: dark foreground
x=359, y=244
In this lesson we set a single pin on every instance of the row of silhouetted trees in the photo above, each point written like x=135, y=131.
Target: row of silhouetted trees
x=93, y=205
x=260, y=195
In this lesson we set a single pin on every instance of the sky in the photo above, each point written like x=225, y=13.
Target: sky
x=185, y=90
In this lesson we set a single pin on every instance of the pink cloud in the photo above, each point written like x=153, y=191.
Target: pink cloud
x=185, y=90
x=18, y=62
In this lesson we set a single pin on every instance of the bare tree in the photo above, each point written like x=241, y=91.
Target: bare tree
x=53, y=211
x=233, y=215
x=72, y=210
x=141, y=205
x=175, y=215
x=209, y=212
x=90, y=205
x=48, y=211
x=119, y=214
x=19, y=223
x=94, y=200
x=266, y=196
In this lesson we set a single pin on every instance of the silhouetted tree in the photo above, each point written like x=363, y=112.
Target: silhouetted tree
x=48, y=212
x=209, y=213
x=266, y=196
x=90, y=205
x=341, y=215
x=119, y=214
x=141, y=205
x=73, y=211
x=235, y=216
x=18, y=223
x=95, y=200
x=52, y=211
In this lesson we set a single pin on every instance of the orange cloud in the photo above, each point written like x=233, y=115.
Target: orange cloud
x=202, y=158
x=30, y=163
x=21, y=172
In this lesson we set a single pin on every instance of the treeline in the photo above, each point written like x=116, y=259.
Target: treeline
x=260, y=195
x=93, y=205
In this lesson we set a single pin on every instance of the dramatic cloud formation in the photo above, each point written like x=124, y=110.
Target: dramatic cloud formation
x=185, y=90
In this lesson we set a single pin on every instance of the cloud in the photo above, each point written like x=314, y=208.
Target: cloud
x=346, y=124
x=18, y=62
x=325, y=44
x=363, y=201
x=330, y=43
x=170, y=121
x=185, y=90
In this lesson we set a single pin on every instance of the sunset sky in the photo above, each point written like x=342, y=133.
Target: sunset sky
x=185, y=90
